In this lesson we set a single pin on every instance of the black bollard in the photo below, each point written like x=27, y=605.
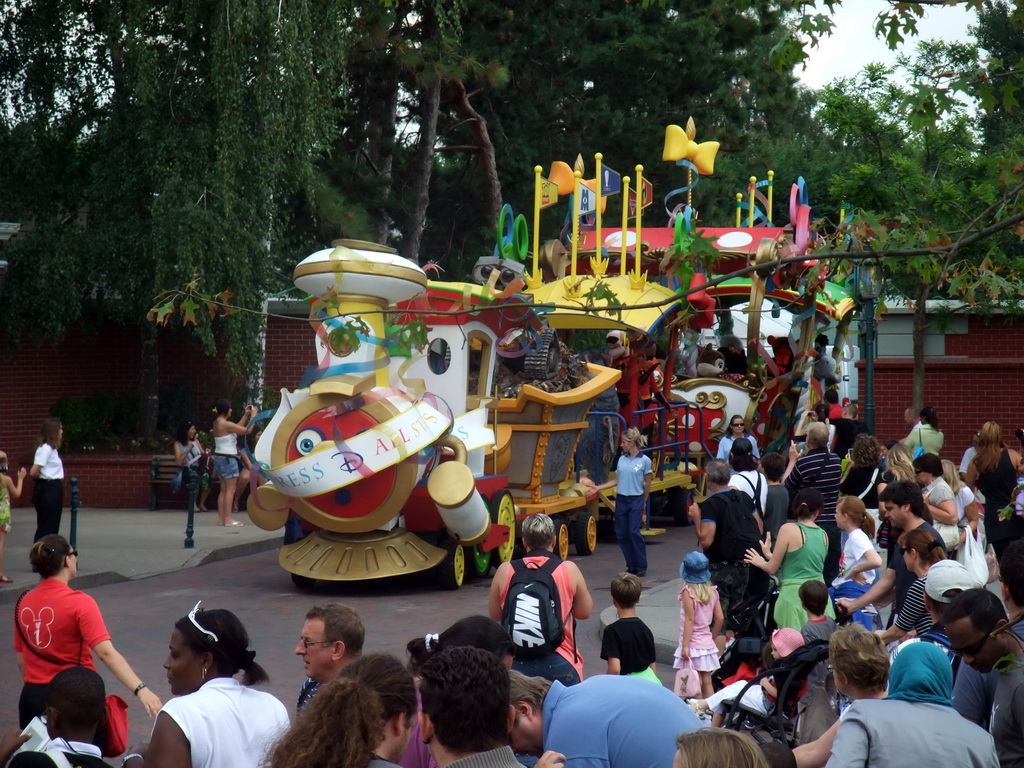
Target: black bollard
x=74, y=512
x=193, y=484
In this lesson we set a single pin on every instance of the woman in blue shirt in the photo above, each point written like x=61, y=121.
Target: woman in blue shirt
x=633, y=480
x=737, y=429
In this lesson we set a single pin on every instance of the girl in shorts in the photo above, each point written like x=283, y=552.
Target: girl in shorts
x=9, y=489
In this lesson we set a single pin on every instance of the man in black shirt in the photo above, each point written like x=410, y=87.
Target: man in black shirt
x=727, y=525
x=847, y=429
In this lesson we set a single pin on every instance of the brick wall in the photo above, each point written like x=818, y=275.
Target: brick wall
x=290, y=351
x=969, y=386
x=110, y=481
x=36, y=374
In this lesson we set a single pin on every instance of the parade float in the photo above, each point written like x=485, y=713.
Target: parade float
x=406, y=455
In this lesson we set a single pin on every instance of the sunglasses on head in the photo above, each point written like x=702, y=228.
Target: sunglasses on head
x=200, y=627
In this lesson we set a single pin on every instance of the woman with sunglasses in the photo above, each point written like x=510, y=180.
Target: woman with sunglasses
x=737, y=429
x=57, y=627
x=215, y=719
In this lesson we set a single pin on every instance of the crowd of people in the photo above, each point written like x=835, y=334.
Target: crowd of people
x=871, y=527
x=882, y=526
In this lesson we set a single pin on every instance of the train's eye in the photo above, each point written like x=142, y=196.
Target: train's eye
x=308, y=439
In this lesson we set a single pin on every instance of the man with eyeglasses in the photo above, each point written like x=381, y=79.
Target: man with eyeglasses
x=332, y=637
x=980, y=632
x=974, y=691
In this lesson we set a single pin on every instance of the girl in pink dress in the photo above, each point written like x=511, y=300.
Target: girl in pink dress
x=700, y=621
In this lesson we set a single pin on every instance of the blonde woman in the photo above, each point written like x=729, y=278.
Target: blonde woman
x=717, y=747
x=633, y=475
x=966, y=504
x=899, y=465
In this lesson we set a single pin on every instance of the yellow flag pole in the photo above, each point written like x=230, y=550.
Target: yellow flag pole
x=750, y=213
x=536, y=219
x=639, y=213
x=598, y=157
x=576, y=176
x=739, y=210
x=771, y=194
x=625, y=224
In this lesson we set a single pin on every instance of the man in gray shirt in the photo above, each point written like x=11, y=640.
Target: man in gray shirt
x=974, y=691
x=980, y=632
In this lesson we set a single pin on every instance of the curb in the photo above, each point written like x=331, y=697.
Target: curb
x=84, y=581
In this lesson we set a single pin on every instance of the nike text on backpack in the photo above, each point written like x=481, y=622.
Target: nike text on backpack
x=532, y=612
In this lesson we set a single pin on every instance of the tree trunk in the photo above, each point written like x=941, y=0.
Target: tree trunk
x=485, y=148
x=149, y=382
x=380, y=140
x=920, y=327
x=422, y=169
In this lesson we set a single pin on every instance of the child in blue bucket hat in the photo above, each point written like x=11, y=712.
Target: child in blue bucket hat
x=700, y=621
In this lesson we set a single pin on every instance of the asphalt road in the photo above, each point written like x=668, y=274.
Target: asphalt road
x=140, y=614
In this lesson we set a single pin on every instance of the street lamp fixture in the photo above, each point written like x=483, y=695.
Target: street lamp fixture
x=869, y=279
x=869, y=287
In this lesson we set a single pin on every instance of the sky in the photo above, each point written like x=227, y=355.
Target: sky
x=853, y=43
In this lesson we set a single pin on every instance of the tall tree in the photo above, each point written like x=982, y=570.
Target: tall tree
x=149, y=142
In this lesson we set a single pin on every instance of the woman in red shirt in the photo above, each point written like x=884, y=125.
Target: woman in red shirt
x=57, y=627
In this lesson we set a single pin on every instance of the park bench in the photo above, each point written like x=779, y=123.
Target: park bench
x=163, y=471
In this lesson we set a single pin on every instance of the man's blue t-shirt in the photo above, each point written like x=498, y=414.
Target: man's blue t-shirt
x=610, y=720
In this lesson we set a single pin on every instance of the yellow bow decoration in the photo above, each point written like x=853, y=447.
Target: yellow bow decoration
x=679, y=145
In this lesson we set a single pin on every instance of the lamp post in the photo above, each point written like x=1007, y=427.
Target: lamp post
x=869, y=288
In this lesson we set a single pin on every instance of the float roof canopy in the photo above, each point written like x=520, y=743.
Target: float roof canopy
x=580, y=311
x=833, y=299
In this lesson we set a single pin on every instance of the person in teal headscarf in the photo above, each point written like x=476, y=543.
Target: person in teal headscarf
x=916, y=721
x=924, y=677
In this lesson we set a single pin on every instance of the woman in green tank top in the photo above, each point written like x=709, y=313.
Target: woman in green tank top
x=798, y=556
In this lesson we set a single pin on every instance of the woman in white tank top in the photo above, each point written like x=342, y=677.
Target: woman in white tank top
x=225, y=456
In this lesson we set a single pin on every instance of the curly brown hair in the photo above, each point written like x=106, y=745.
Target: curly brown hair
x=866, y=453
x=339, y=728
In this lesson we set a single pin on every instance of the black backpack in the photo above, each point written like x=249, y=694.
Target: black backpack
x=532, y=611
x=736, y=527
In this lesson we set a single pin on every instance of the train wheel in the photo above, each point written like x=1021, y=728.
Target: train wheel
x=481, y=560
x=451, y=573
x=677, y=506
x=303, y=582
x=561, y=522
x=503, y=512
x=584, y=533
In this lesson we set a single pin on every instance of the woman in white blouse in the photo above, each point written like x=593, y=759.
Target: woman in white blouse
x=48, y=473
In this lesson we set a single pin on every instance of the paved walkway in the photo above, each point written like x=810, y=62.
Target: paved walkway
x=123, y=544
x=118, y=545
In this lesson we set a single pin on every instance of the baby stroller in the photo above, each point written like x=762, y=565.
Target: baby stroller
x=781, y=724
x=751, y=623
